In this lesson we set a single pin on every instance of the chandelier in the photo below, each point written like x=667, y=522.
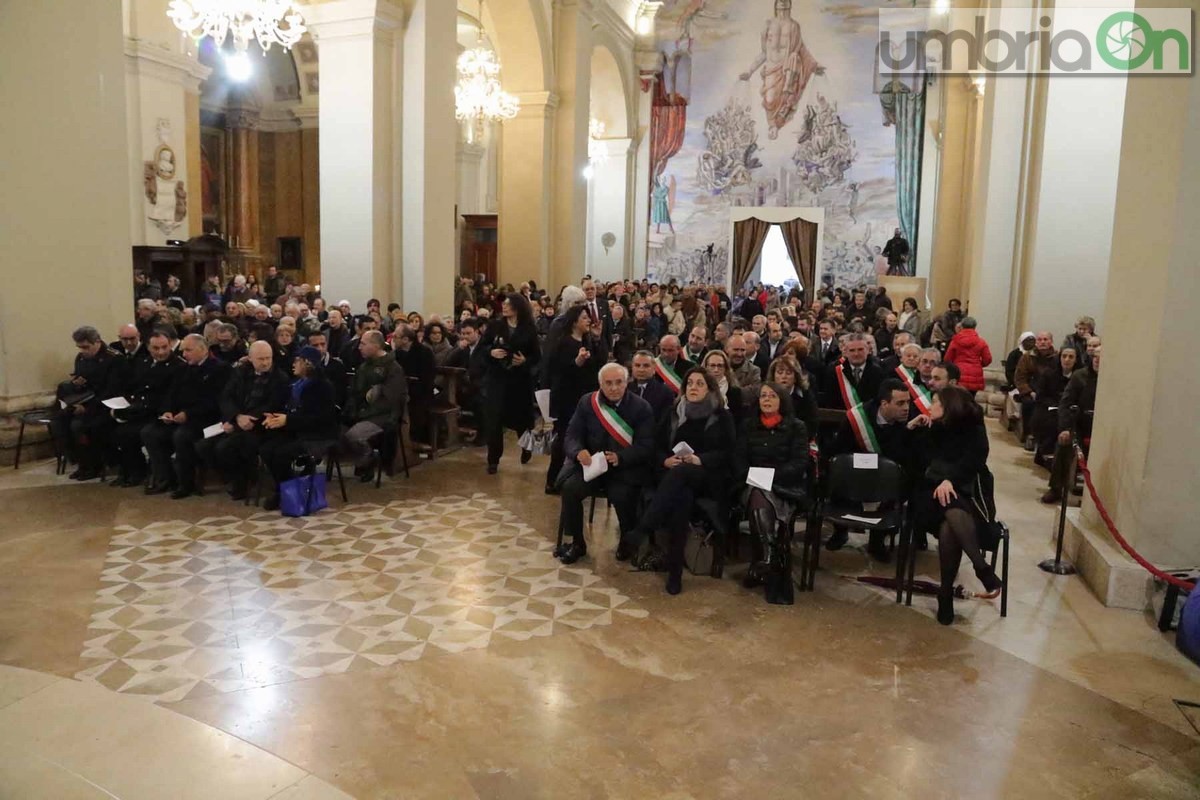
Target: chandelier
x=267, y=21
x=478, y=95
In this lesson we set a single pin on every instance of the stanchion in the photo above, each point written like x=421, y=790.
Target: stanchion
x=1056, y=565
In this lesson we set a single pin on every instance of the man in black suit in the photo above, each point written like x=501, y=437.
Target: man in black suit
x=770, y=347
x=145, y=390
x=416, y=360
x=697, y=345
x=824, y=346
x=335, y=369
x=857, y=368
x=468, y=355
x=890, y=363
x=191, y=405
x=602, y=324
x=670, y=356
x=254, y=389
x=888, y=415
x=644, y=386
x=618, y=426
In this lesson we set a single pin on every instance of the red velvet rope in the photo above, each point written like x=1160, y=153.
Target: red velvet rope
x=1112, y=529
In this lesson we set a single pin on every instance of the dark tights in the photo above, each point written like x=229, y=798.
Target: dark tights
x=957, y=537
x=758, y=502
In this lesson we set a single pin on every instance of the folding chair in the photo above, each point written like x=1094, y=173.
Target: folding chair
x=872, y=495
x=909, y=559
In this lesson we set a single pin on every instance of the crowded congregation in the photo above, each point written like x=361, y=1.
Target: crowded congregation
x=598, y=400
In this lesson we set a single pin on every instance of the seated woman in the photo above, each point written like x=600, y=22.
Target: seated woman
x=285, y=347
x=772, y=439
x=1049, y=386
x=953, y=492
x=308, y=426
x=716, y=364
x=438, y=340
x=788, y=373
x=699, y=420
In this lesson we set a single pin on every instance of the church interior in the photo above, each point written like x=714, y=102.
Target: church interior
x=463, y=617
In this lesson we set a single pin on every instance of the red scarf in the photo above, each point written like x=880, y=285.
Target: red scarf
x=770, y=420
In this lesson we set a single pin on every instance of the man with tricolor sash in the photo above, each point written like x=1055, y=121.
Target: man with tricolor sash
x=671, y=366
x=907, y=372
x=881, y=426
x=618, y=426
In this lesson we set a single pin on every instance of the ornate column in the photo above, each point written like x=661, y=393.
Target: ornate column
x=241, y=138
x=573, y=47
x=359, y=171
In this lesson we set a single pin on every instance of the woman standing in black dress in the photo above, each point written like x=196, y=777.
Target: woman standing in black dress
x=953, y=498
x=512, y=349
x=575, y=358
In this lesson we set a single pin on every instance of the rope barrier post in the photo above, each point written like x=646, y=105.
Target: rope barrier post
x=1056, y=565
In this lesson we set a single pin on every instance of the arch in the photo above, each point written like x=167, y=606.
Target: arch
x=609, y=101
x=613, y=69
x=521, y=33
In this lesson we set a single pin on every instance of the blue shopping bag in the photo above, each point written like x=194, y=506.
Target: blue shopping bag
x=1187, y=637
x=302, y=496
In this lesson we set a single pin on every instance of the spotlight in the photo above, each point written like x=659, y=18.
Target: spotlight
x=238, y=67
x=589, y=172
x=941, y=7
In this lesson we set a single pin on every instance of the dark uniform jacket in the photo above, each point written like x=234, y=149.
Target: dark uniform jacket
x=196, y=391
x=146, y=389
x=101, y=379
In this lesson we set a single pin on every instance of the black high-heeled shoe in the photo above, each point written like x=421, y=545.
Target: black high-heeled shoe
x=991, y=583
x=945, y=612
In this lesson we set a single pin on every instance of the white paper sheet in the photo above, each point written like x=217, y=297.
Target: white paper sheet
x=598, y=467
x=543, y=400
x=868, y=520
x=683, y=449
x=116, y=403
x=213, y=430
x=762, y=477
x=866, y=461
x=62, y=403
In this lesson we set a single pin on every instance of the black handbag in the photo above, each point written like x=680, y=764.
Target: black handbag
x=698, y=552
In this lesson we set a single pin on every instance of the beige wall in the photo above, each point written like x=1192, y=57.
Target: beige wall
x=64, y=210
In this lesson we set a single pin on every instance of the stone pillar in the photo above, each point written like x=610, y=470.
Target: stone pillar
x=241, y=137
x=1145, y=452
x=65, y=219
x=573, y=47
x=430, y=137
x=525, y=197
x=640, y=210
x=358, y=162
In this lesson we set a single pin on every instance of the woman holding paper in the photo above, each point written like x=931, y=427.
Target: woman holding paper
x=512, y=349
x=772, y=459
x=953, y=498
x=695, y=443
x=575, y=360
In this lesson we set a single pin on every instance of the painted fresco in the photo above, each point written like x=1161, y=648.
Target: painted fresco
x=776, y=103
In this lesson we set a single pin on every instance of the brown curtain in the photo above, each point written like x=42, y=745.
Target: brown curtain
x=748, y=238
x=800, y=236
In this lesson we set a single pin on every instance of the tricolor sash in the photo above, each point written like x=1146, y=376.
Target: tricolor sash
x=920, y=394
x=863, y=432
x=617, y=428
x=668, y=376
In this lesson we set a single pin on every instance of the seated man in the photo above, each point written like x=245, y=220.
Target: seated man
x=671, y=366
x=1029, y=367
x=1075, y=411
x=854, y=379
x=888, y=432
x=748, y=375
x=944, y=375
x=129, y=345
x=333, y=368
x=376, y=401
x=468, y=356
x=230, y=347
x=417, y=362
x=192, y=404
x=653, y=392
x=254, y=390
x=146, y=391
x=618, y=426
x=81, y=423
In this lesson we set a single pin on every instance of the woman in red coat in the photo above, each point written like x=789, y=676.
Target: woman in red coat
x=970, y=353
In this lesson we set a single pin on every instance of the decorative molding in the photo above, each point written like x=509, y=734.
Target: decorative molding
x=537, y=104
x=236, y=118
x=307, y=116
x=352, y=19
x=157, y=62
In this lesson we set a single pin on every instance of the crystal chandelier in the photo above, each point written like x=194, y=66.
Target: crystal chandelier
x=267, y=21
x=478, y=96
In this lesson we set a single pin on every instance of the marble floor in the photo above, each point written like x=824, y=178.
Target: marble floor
x=420, y=642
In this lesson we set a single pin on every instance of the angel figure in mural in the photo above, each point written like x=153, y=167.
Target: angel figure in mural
x=660, y=204
x=787, y=66
x=852, y=205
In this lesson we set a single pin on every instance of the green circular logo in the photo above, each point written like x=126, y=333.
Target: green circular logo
x=1124, y=40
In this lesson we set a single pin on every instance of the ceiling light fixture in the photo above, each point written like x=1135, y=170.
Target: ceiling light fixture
x=266, y=21
x=478, y=95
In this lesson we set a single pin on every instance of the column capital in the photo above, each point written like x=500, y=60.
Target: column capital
x=349, y=19
x=537, y=104
x=239, y=118
x=142, y=58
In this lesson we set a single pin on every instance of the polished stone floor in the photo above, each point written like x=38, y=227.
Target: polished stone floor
x=420, y=642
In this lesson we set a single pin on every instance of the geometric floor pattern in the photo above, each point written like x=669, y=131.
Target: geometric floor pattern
x=189, y=609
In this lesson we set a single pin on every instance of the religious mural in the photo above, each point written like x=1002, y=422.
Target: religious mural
x=777, y=103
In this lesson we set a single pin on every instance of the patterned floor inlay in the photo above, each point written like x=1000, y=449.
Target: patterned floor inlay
x=189, y=609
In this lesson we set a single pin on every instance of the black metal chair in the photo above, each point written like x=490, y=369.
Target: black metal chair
x=908, y=558
x=331, y=455
x=42, y=416
x=869, y=499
